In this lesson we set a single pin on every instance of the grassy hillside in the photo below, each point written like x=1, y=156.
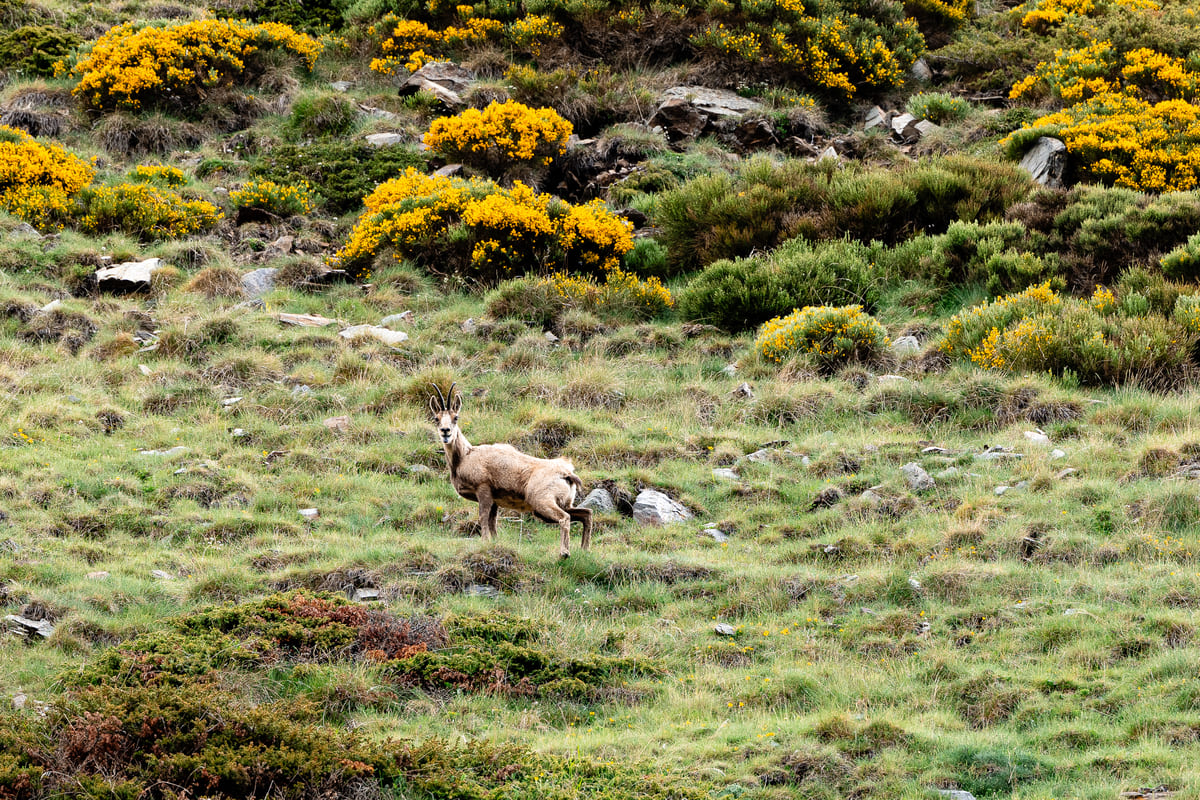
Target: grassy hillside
x=230, y=555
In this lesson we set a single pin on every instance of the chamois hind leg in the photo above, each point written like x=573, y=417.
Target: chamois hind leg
x=487, y=512
x=584, y=517
x=552, y=513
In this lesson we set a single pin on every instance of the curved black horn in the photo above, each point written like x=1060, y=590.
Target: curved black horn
x=450, y=395
x=441, y=396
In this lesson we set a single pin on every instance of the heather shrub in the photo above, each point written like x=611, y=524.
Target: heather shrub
x=499, y=137
x=260, y=197
x=176, y=68
x=830, y=336
x=742, y=294
x=34, y=49
x=1187, y=312
x=1040, y=331
x=476, y=229
x=340, y=173
x=647, y=257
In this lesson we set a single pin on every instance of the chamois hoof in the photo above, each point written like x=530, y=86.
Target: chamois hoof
x=564, y=554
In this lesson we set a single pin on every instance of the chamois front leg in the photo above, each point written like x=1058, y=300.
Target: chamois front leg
x=487, y=512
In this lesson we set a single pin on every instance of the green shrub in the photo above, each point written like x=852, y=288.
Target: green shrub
x=321, y=115
x=726, y=216
x=342, y=173
x=33, y=49
x=742, y=294
x=938, y=107
x=1187, y=312
x=990, y=771
x=144, y=211
x=830, y=336
x=1183, y=263
x=313, y=16
x=648, y=257
x=1039, y=331
x=970, y=252
x=543, y=300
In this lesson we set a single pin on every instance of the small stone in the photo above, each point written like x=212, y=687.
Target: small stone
x=127, y=277
x=906, y=344
x=342, y=86
x=470, y=325
x=310, y=513
x=1056, y=453
x=177, y=450
x=730, y=370
x=71, y=398
x=743, y=392
x=550, y=337
x=1037, y=437
x=162, y=575
x=53, y=305
x=725, y=629
x=889, y=379
x=914, y=584
x=1003, y=490
x=900, y=122
x=948, y=472
x=337, y=424
x=98, y=575
x=302, y=390
x=600, y=500
x=419, y=469
x=1065, y=473
x=305, y=320
x=829, y=154
x=403, y=318
x=871, y=497
x=384, y=139
x=761, y=456
x=876, y=117
x=23, y=626
x=482, y=590
x=716, y=534
x=920, y=71
x=1073, y=612
x=231, y=401
x=239, y=433
x=388, y=337
x=955, y=794
x=918, y=479
x=726, y=474
x=19, y=701
x=144, y=370
x=366, y=595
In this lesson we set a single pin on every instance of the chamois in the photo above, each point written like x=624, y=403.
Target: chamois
x=500, y=475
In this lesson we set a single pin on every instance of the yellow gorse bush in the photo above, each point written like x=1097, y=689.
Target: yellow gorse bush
x=500, y=136
x=622, y=294
x=477, y=227
x=158, y=173
x=37, y=180
x=145, y=211
x=831, y=335
x=131, y=68
x=410, y=43
x=282, y=200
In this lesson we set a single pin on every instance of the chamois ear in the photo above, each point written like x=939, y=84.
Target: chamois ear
x=434, y=407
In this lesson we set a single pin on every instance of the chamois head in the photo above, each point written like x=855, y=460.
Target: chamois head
x=445, y=413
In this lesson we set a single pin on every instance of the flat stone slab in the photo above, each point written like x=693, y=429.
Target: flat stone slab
x=379, y=333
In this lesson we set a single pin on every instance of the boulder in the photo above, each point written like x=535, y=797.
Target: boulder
x=1046, y=161
x=876, y=118
x=128, y=277
x=920, y=71
x=918, y=479
x=906, y=344
x=23, y=626
x=600, y=500
x=258, y=282
x=655, y=508
x=679, y=119
x=685, y=111
x=445, y=80
x=384, y=139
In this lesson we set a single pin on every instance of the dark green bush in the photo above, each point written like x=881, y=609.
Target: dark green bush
x=311, y=16
x=984, y=771
x=33, y=49
x=744, y=293
x=647, y=258
x=343, y=173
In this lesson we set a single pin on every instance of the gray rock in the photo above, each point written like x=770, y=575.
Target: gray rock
x=228, y=402
x=724, y=629
x=763, y=455
x=900, y=122
x=918, y=479
x=830, y=154
x=871, y=497
x=550, y=337
x=726, y=474
x=684, y=112
x=23, y=626
x=366, y=595
x=600, y=500
x=955, y=794
x=239, y=433
x=997, y=454
x=342, y=86
x=127, y=277
x=917, y=130
x=23, y=231
x=419, y=469
x=19, y=701
x=53, y=305
x=876, y=118
x=444, y=80
x=1065, y=473
x=716, y=534
x=403, y=318
x=655, y=508
x=892, y=379
x=743, y=391
x=1003, y=490
x=920, y=71
x=177, y=450
x=162, y=575
x=375, y=113
x=384, y=139
x=304, y=320
x=310, y=513
x=947, y=473
x=1046, y=161
x=1057, y=453
x=906, y=344
x=258, y=282
x=388, y=337
x=303, y=390
x=482, y=590
x=1037, y=437
x=470, y=325
x=729, y=369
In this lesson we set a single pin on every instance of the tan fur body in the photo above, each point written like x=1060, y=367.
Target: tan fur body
x=501, y=476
